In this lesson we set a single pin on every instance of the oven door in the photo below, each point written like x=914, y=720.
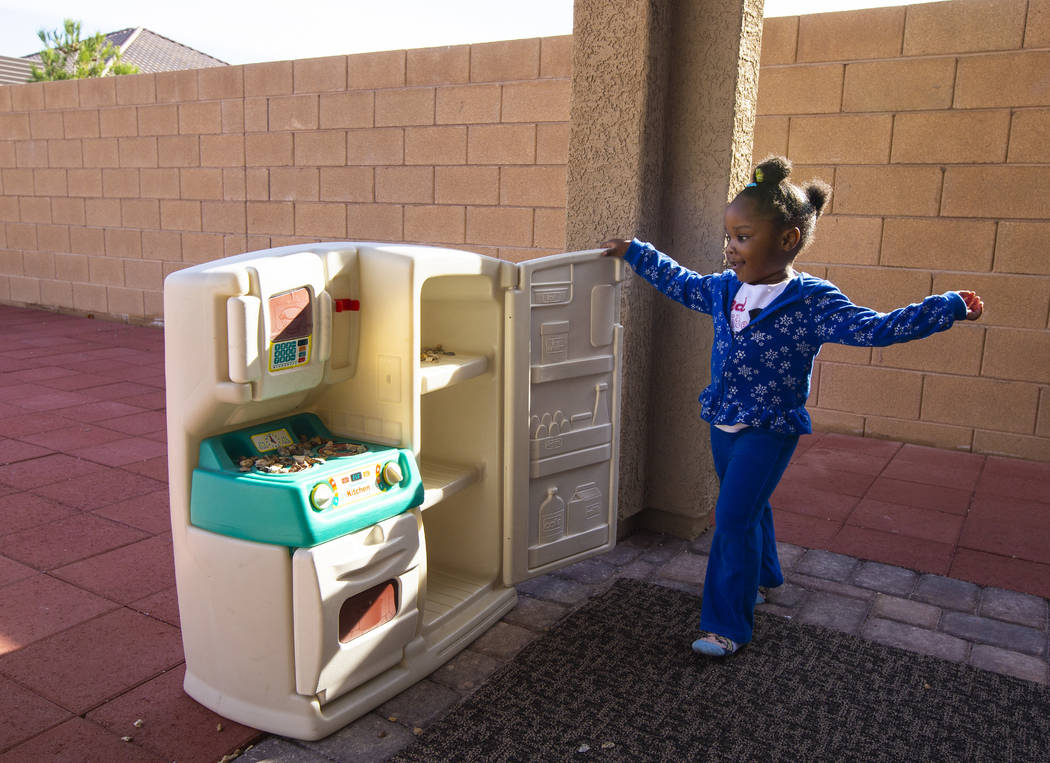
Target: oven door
x=355, y=605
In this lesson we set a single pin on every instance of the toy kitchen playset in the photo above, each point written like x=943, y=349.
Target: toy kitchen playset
x=368, y=445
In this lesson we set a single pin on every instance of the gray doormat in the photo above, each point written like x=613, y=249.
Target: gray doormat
x=616, y=680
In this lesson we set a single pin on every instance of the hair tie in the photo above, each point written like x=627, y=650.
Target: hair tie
x=759, y=176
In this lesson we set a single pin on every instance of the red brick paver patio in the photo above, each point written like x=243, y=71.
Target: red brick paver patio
x=89, y=623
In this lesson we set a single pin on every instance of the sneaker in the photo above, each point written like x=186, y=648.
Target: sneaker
x=763, y=594
x=713, y=645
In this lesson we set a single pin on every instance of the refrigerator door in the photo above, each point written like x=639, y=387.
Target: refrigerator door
x=563, y=356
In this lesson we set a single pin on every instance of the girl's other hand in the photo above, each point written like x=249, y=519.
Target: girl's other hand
x=615, y=247
x=974, y=305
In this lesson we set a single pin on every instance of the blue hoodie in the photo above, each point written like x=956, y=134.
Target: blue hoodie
x=761, y=375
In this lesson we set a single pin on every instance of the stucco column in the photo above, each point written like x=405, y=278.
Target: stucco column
x=662, y=120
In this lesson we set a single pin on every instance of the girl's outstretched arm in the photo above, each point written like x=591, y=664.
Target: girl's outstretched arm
x=840, y=321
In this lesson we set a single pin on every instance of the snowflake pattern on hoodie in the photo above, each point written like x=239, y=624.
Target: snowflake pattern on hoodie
x=761, y=375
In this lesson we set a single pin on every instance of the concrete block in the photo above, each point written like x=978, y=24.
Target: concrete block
x=320, y=148
x=376, y=70
x=539, y=101
x=293, y=112
x=970, y=27
x=889, y=190
x=874, y=33
x=135, y=89
x=270, y=78
x=409, y=106
x=438, y=66
x=178, y=151
x=347, y=184
x=294, y=184
x=1028, y=136
x=435, y=224
x=377, y=146
x=826, y=565
x=352, y=109
x=535, y=614
x=899, y=85
x=80, y=124
x=369, y=739
x=840, y=613
x=933, y=243
x=779, y=40
x=556, y=56
x=467, y=104
x=1008, y=354
x=503, y=641
x=266, y=150
x=436, y=145
x=1013, y=79
x=533, y=186
x=466, y=185
x=318, y=75
x=501, y=144
x=914, y=639
x=176, y=86
x=1021, y=608
x=233, y=150
x=466, y=671
x=1009, y=662
x=320, y=220
x=220, y=82
x=906, y=611
x=995, y=632
x=982, y=403
x=158, y=120
x=884, y=578
x=780, y=86
x=101, y=152
x=951, y=137
x=404, y=185
x=379, y=222
x=867, y=390
x=947, y=593
x=197, y=182
x=1018, y=301
x=419, y=705
x=159, y=183
x=505, y=61
x=556, y=589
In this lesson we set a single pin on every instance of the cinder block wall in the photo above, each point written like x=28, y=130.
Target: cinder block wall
x=932, y=122
x=108, y=185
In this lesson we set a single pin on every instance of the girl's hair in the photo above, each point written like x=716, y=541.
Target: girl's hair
x=788, y=205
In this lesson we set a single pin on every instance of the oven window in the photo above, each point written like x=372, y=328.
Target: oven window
x=367, y=610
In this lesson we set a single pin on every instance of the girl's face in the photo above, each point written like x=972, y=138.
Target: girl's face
x=756, y=249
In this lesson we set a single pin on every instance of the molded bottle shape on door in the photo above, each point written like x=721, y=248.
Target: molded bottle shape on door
x=552, y=517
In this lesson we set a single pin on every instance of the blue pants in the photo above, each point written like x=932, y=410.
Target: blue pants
x=749, y=464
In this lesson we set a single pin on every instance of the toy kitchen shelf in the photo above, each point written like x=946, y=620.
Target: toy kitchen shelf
x=449, y=370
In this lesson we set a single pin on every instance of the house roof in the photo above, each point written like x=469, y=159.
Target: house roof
x=149, y=51
x=14, y=71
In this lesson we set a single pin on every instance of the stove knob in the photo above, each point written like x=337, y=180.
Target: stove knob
x=322, y=496
x=392, y=473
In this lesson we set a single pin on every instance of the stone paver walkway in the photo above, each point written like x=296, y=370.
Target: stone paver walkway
x=986, y=627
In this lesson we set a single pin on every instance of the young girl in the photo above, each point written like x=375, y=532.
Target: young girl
x=769, y=324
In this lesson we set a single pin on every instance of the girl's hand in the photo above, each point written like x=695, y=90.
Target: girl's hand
x=974, y=305
x=615, y=247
